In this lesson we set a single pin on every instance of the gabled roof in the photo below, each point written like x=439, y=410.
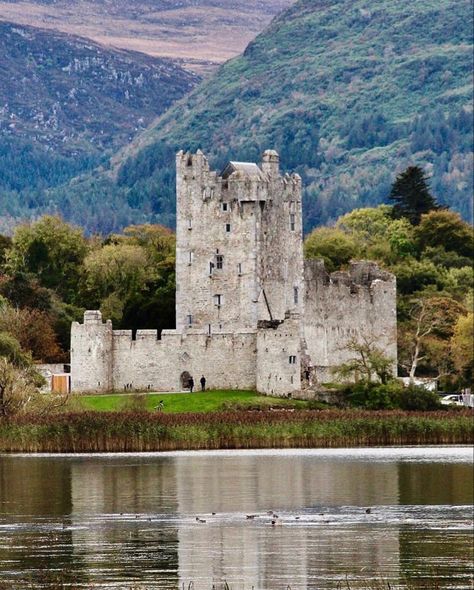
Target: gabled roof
x=243, y=168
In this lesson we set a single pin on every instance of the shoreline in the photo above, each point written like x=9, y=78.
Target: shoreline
x=135, y=432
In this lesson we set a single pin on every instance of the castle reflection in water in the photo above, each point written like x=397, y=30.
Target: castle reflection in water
x=134, y=518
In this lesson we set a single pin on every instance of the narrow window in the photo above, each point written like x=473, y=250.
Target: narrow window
x=225, y=206
x=190, y=259
x=292, y=222
x=190, y=224
x=211, y=268
x=292, y=359
x=227, y=227
x=219, y=262
x=218, y=300
x=190, y=320
x=295, y=295
x=239, y=268
x=208, y=328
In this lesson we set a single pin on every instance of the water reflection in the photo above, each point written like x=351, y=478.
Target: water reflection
x=118, y=521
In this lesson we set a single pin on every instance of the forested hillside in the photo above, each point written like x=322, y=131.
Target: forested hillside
x=350, y=92
x=65, y=104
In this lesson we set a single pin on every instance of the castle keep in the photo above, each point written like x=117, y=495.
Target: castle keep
x=251, y=313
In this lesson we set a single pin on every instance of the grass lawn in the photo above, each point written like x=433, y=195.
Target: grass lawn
x=208, y=401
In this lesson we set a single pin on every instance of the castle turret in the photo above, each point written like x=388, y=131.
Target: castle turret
x=271, y=163
x=91, y=354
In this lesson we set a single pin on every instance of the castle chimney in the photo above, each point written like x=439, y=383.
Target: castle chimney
x=271, y=163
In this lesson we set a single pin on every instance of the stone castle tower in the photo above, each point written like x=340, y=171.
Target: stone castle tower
x=251, y=313
x=239, y=256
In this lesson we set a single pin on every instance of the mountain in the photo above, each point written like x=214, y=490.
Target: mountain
x=66, y=101
x=349, y=92
x=199, y=33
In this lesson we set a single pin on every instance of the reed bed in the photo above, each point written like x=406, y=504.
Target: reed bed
x=135, y=431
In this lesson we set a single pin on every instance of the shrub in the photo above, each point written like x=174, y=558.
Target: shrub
x=417, y=398
x=392, y=395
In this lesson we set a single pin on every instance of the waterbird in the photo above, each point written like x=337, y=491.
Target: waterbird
x=201, y=520
x=250, y=516
x=368, y=511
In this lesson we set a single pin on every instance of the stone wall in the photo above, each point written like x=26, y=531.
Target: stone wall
x=103, y=359
x=360, y=303
x=279, y=356
x=227, y=361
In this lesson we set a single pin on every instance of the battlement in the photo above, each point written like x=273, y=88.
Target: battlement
x=238, y=181
x=361, y=273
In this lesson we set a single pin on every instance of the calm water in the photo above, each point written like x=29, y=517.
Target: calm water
x=123, y=521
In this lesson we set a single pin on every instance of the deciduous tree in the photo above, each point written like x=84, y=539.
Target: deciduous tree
x=334, y=246
x=462, y=346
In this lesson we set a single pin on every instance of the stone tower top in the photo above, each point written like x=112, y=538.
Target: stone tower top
x=271, y=163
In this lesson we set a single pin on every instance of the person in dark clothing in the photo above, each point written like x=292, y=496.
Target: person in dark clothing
x=203, y=383
x=191, y=384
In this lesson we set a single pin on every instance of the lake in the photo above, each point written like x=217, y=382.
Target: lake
x=130, y=520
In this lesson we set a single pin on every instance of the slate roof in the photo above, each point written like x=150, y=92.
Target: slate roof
x=244, y=168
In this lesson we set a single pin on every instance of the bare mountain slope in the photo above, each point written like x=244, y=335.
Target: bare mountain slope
x=201, y=33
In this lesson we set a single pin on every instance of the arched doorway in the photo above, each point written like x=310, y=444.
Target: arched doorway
x=184, y=380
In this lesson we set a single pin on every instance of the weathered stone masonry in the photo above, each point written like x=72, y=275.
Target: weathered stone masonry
x=250, y=312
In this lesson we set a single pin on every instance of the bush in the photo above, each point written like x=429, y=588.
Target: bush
x=417, y=398
x=392, y=395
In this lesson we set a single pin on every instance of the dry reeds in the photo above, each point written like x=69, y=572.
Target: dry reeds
x=135, y=431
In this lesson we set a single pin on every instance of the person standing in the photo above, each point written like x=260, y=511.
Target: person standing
x=203, y=383
x=191, y=384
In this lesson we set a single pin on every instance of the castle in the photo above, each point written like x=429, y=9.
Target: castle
x=251, y=313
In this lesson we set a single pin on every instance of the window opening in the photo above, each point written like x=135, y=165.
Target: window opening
x=295, y=295
x=190, y=224
x=218, y=300
x=292, y=222
x=292, y=359
x=239, y=268
x=190, y=320
x=219, y=261
x=211, y=268
x=227, y=227
x=225, y=206
x=190, y=259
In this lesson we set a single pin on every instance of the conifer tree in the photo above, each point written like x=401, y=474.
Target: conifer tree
x=411, y=195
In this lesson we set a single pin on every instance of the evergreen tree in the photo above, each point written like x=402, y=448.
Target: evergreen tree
x=411, y=195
